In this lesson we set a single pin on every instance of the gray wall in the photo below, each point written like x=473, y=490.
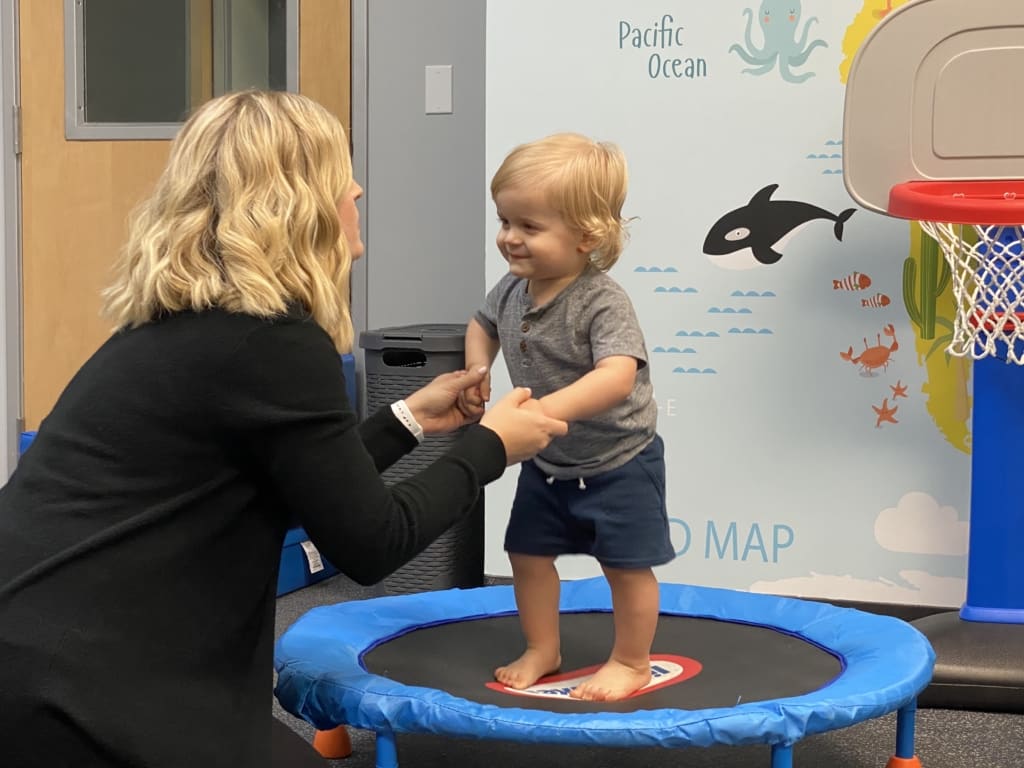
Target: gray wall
x=10, y=229
x=423, y=219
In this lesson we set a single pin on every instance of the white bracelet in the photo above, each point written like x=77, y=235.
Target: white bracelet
x=404, y=415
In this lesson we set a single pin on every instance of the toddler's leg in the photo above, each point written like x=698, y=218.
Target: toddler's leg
x=537, y=590
x=635, y=605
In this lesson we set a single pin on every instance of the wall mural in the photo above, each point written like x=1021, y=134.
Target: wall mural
x=816, y=431
x=926, y=289
x=756, y=233
x=779, y=21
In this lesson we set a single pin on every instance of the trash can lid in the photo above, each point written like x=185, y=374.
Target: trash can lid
x=430, y=337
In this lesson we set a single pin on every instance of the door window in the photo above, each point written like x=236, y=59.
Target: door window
x=141, y=67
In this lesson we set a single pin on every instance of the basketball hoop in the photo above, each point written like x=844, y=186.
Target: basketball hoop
x=987, y=275
x=913, y=149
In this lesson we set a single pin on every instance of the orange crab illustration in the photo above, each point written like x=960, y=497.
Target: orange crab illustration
x=873, y=358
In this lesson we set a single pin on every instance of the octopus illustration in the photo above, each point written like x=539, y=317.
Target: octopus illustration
x=779, y=20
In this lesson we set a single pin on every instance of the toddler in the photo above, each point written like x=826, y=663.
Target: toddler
x=569, y=332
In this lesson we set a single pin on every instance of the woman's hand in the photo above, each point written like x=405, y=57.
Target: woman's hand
x=517, y=419
x=436, y=405
x=522, y=426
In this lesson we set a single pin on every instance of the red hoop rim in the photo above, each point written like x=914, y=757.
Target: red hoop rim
x=961, y=201
x=977, y=318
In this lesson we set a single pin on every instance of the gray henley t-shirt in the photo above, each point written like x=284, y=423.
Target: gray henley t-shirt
x=549, y=347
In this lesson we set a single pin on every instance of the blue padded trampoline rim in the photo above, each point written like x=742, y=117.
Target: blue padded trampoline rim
x=322, y=680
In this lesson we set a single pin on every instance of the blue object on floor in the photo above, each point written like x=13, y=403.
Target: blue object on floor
x=348, y=368
x=301, y=563
x=24, y=441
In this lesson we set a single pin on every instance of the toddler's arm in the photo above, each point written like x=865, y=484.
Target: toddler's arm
x=608, y=384
x=481, y=350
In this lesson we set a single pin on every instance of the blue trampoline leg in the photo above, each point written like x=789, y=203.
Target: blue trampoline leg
x=782, y=756
x=905, y=757
x=905, y=721
x=387, y=750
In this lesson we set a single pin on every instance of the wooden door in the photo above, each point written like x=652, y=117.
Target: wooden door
x=325, y=55
x=76, y=195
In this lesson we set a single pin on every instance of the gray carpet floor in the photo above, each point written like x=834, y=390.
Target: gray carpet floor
x=945, y=738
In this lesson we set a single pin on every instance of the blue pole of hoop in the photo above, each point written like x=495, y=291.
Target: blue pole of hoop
x=995, y=590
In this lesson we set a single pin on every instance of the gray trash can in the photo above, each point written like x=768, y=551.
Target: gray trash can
x=398, y=361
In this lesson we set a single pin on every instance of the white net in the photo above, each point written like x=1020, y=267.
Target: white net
x=988, y=286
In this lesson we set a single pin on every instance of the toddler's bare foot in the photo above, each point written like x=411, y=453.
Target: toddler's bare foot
x=528, y=668
x=613, y=681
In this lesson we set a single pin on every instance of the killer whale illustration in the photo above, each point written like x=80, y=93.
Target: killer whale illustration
x=755, y=234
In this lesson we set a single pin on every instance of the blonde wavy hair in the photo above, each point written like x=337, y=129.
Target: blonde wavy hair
x=243, y=218
x=584, y=180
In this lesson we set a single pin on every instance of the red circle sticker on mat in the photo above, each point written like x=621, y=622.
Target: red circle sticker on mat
x=665, y=670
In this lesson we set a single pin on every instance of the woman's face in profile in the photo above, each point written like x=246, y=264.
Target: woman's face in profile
x=348, y=215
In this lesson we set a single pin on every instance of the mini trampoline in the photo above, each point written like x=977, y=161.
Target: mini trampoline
x=755, y=669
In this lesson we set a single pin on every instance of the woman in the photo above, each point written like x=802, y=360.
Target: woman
x=141, y=532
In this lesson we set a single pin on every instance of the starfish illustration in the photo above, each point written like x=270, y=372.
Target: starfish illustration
x=900, y=390
x=885, y=413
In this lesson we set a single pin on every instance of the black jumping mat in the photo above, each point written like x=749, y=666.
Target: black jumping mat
x=741, y=662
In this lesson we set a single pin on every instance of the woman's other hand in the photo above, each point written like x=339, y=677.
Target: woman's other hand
x=436, y=405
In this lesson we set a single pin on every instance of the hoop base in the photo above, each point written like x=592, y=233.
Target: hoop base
x=977, y=664
x=991, y=615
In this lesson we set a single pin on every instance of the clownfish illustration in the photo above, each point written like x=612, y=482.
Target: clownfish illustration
x=876, y=301
x=855, y=281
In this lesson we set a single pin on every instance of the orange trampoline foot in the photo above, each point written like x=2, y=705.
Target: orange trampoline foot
x=335, y=744
x=903, y=762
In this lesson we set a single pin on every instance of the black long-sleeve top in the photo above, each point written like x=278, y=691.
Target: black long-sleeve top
x=140, y=536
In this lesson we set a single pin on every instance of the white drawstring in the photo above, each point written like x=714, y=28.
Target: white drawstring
x=551, y=481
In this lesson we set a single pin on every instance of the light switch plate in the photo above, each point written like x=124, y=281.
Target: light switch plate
x=438, y=89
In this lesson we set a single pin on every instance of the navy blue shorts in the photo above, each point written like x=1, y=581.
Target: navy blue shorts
x=619, y=517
